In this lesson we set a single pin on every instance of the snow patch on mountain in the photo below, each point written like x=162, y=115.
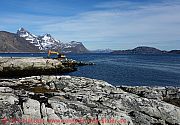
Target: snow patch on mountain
x=47, y=42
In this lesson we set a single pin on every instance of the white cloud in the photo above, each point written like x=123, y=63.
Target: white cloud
x=118, y=25
x=157, y=22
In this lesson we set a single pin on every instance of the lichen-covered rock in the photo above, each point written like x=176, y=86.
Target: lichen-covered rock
x=58, y=100
x=9, y=109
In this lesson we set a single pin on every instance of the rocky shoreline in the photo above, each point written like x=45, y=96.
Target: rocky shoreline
x=28, y=66
x=18, y=67
x=56, y=100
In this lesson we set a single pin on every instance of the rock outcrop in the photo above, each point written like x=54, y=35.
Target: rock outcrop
x=169, y=94
x=78, y=100
x=12, y=67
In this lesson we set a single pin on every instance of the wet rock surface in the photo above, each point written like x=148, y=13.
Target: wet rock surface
x=78, y=100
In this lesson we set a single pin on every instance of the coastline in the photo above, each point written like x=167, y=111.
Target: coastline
x=18, y=67
x=79, y=100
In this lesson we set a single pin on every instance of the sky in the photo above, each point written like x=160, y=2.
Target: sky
x=99, y=24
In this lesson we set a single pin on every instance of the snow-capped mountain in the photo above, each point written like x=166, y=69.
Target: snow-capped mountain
x=47, y=42
x=74, y=47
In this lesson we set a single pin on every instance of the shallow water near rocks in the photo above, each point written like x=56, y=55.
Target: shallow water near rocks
x=151, y=70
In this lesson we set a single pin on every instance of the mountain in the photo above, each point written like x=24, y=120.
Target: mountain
x=140, y=50
x=102, y=51
x=10, y=42
x=74, y=47
x=44, y=42
x=174, y=52
x=47, y=42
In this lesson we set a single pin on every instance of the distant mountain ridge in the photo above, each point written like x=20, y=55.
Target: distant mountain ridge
x=145, y=50
x=47, y=42
x=174, y=52
x=102, y=51
x=24, y=41
x=11, y=42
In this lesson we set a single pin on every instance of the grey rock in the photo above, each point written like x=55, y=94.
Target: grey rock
x=169, y=94
x=11, y=67
x=6, y=90
x=31, y=108
x=84, y=100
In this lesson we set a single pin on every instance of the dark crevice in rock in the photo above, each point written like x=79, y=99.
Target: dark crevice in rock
x=23, y=97
x=175, y=101
x=41, y=109
x=42, y=99
x=149, y=115
x=132, y=114
x=157, y=124
x=171, y=123
x=97, y=117
x=21, y=104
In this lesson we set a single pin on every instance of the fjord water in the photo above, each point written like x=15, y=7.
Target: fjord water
x=151, y=70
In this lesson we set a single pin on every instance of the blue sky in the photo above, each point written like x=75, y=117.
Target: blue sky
x=99, y=24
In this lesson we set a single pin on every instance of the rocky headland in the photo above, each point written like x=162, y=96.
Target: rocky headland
x=27, y=66
x=78, y=100
x=14, y=67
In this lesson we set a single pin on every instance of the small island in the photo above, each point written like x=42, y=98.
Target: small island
x=28, y=66
x=145, y=50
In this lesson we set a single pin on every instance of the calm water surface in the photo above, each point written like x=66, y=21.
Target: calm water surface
x=149, y=70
